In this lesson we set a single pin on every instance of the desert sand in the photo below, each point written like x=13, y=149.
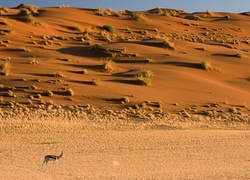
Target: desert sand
x=154, y=94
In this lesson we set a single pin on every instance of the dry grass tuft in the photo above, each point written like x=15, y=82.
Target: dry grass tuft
x=208, y=66
x=125, y=99
x=108, y=64
x=3, y=10
x=139, y=16
x=239, y=55
x=27, y=15
x=143, y=77
x=85, y=71
x=25, y=49
x=5, y=68
x=33, y=61
x=70, y=92
x=149, y=59
x=95, y=82
x=59, y=74
x=108, y=12
x=49, y=93
x=209, y=12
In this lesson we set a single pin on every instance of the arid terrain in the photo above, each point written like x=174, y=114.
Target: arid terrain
x=156, y=94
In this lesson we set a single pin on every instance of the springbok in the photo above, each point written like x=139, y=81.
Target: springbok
x=48, y=158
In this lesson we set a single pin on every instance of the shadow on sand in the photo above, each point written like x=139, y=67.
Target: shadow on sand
x=185, y=64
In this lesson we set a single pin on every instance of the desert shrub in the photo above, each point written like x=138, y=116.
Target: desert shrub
x=99, y=11
x=160, y=11
x=196, y=17
x=108, y=64
x=168, y=44
x=85, y=71
x=87, y=30
x=49, y=93
x=59, y=74
x=246, y=13
x=70, y=92
x=159, y=104
x=86, y=36
x=125, y=99
x=207, y=65
x=209, y=12
x=33, y=87
x=95, y=81
x=64, y=6
x=239, y=55
x=3, y=10
x=149, y=59
x=33, y=61
x=5, y=68
x=96, y=46
x=144, y=81
x=76, y=28
x=145, y=73
x=108, y=12
x=25, y=15
x=143, y=77
x=107, y=38
x=109, y=28
x=139, y=16
x=165, y=41
x=25, y=49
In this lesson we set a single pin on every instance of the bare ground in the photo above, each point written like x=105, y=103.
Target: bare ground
x=141, y=154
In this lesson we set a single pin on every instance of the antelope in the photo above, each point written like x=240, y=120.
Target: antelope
x=48, y=158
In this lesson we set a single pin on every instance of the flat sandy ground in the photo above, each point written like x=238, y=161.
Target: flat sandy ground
x=143, y=154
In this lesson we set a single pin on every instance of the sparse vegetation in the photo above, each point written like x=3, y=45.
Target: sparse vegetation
x=5, y=68
x=109, y=28
x=85, y=71
x=149, y=59
x=108, y=12
x=33, y=61
x=70, y=92
x=95, y=81
x=239, y=55
x=100, y=11
x=209, y=12
x=25, y=15
x=77, y=28
x=6, y=31
x=139, y=16
x=3, y=10
x=168, y=44
x=246, y=13
x=49, y=93
x=207, y=65
x=108, y=64
x=59, y=74
x=125, y=99
x=143, y=77
x=25, y=49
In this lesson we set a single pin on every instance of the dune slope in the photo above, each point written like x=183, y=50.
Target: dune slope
x=92, y=56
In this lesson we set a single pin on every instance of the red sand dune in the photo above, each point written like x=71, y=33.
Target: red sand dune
x=57, y=41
